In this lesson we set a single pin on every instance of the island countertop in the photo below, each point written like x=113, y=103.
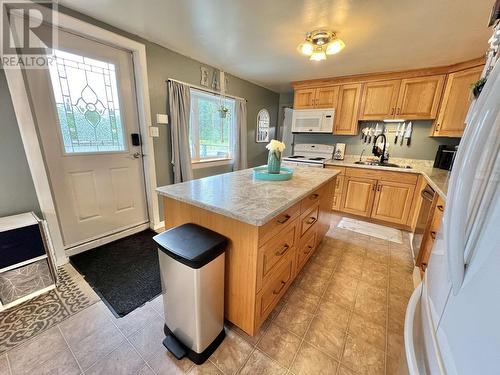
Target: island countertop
x=239, y=196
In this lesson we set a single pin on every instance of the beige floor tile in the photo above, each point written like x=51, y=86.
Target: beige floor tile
x=43, y=355
x=4, y=365
x=157, y=304
x=367, y=290
x=252, y=340
x=371, y=310
x=123, y=360
x=393, y=366
x=259, y=363
x=148, y=340
x=166, y=364
x=97, y=345
x=310, y=361
x=231, y=354
x=295, y=320
x=279, y=344
x=325, y=336
x=397, y=305
x=342, y=289
x=208, y=368
x=374, y=277
x=372, y=333
x=394, y=345
x=146, y=370
x=86, y=323
x=317, y=269
x=345, y=371
x=350, y=268
x=313, y=284
x=395, y=324
x=333, y=315
x=303, y=300
x=137, y=319
x=362, y=357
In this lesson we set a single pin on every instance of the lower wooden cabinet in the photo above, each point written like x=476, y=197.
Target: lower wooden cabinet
x=430, y=233
x=392, y=201
x=358, y=195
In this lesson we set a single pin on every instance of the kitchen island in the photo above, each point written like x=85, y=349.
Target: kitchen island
x=273, y=228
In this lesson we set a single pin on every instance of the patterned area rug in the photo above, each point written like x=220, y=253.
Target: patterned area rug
x=30, y=318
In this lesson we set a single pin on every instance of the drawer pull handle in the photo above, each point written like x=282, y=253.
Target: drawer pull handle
x=282, y=251
x=284, y=220
x=313, y=196
x=283, y=283
x=440, y=207
x=433, y=235
x=311, y=220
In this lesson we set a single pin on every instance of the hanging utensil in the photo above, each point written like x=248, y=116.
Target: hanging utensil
x=397, y=133
x=402, y=134
x=408, y=134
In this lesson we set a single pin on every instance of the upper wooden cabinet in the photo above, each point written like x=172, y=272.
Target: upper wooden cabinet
x=304, y=99
x=326, y=97
x=419, y=98
x=346, y=116
x=409, y=98
x=323, y=97
x=379, y=100
x=455, y=103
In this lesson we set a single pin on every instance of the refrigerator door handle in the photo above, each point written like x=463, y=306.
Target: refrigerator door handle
x=409, y=339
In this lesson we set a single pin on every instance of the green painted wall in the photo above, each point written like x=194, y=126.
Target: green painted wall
x=162, y=64
x=17, y=193
x=422, y=146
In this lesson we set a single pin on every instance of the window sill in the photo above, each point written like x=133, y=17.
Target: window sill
x=207, y=163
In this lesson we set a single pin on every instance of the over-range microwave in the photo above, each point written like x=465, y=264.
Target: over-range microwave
x=313, y=120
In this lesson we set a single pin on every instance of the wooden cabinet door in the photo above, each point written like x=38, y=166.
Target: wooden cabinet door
x=393, y=201
x=326, y=97
x=304, y=98
x=358, y=195
x=379, y=100
x=346, y=116
x=455, y=104
x=419, y=97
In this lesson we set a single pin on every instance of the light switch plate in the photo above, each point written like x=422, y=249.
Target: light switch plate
x=154, y=131
x=161, y=118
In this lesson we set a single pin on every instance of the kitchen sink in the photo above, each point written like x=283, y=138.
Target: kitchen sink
x=381, y=164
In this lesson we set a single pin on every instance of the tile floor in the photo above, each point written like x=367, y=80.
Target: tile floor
x=343, y=315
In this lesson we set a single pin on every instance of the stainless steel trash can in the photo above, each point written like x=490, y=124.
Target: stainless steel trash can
x=192, y=274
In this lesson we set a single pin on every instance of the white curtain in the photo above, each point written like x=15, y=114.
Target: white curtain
x=240, y=136
x=179, y=100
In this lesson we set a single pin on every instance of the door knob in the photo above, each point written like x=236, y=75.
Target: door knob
x=136, y=155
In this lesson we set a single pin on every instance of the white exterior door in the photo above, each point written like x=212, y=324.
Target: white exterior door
x=86, y=113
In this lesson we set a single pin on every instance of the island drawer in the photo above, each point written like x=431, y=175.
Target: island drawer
x=308, y=219
x=376, y=174
x=278, y=223
x=273, y=251
x=312, y=199
x=274, y=288
x=306, y=248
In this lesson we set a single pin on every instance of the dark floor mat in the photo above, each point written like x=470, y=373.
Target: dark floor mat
x=125, y=273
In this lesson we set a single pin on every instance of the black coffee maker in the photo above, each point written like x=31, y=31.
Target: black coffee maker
x=445, y=157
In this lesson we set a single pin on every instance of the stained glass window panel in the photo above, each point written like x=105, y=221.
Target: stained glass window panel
x=88, y=109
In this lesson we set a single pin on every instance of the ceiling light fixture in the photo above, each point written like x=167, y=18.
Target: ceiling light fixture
x=319, y=44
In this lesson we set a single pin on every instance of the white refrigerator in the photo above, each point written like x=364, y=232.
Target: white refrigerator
x=452, y=323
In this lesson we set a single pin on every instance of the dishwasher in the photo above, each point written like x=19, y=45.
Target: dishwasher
x=427, y=195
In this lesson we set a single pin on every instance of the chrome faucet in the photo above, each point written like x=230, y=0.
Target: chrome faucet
x=375, y=149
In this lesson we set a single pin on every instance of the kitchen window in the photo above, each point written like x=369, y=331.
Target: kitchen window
x=212, y=123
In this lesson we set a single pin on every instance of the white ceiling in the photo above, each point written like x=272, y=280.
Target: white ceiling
x=257, y=39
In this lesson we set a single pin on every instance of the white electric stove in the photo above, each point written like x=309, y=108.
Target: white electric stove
x=309, y=155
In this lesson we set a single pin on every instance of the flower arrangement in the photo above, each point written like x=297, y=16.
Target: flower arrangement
x=276, y=149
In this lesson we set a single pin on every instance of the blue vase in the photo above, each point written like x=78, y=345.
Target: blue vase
x=274, y=162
